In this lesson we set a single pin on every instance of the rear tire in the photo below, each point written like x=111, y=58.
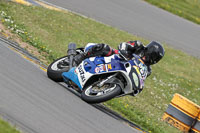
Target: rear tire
x=90, y=97
x=55, y=69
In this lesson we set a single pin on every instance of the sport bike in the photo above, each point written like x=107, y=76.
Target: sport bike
x=99, y=79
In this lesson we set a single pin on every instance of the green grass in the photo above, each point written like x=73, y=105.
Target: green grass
x=51, y=31
x=6, y=128
x=188, y=9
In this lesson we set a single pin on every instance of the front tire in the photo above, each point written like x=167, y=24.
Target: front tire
x=56, y=68
x=92, y=95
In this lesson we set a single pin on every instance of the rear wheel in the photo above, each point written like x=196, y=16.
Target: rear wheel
x=96, y=94
x=57, y=67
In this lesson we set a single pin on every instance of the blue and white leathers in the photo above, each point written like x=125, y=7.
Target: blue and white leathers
x=88, y=46
x=134, y=71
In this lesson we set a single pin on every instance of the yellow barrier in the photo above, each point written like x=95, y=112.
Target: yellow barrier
x=22, y=2
x=183, y=114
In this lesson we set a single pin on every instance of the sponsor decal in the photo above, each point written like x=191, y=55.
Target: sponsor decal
x=100, y=68
x=97, y=69
x=141, y=61
x=109, y=66
x=75, y=71
x=141, y=69
x=142, y=76
x=137, y=69
x=82, y=74
x=135, y=79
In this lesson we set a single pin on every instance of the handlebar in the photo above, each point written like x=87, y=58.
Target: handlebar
x=121, y=55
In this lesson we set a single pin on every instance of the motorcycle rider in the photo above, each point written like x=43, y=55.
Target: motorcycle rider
x=150, y=54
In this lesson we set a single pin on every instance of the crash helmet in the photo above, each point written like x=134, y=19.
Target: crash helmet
x=153, y=53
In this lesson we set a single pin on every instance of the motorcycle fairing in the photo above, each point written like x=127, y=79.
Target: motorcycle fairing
x=93, y=66
x=100, y=65
x=72, y=76
x=140, y=68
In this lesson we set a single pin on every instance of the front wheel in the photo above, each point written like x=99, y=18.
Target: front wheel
x=96, y=94
x=57, y=67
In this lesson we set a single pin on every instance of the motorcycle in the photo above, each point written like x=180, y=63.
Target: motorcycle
x=99, y=79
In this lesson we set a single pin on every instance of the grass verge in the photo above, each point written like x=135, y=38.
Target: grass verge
x=50, y=31
x=188, y=9
x=6, y=128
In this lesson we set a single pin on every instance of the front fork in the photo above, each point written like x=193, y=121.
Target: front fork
x=112, y=80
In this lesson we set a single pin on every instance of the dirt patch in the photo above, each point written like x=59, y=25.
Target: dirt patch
x=32, y=50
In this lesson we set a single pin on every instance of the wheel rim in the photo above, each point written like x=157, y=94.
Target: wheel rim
x=94, y=91
x=59, y=64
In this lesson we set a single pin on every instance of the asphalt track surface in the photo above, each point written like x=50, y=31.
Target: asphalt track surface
x=139, y=18
x=36, y=104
